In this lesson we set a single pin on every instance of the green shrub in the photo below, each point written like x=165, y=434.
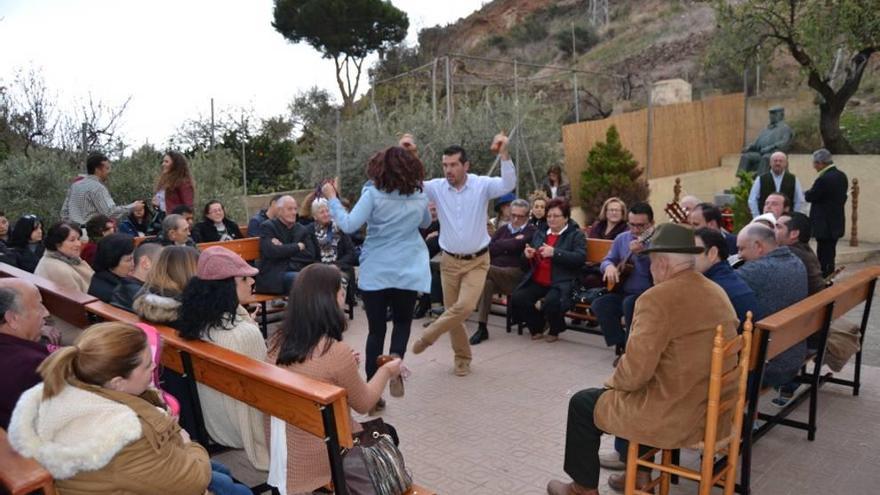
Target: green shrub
x=529, y=32
x=742, y=215
x=38, y=183
x=585, y=39
x=862, y=131
x=611, y=171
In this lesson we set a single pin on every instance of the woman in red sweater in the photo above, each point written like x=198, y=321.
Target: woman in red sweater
x=556, y=256
x=175, y=186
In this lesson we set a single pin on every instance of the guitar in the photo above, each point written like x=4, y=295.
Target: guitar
x=676, y=213
x=626, y=266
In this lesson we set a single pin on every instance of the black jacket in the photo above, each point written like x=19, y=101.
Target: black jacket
x=103, y=284
x=205, y=231
x=827, y=198
x=125, y=292
x=276, y=260
x=24, y=258
x=569, y=257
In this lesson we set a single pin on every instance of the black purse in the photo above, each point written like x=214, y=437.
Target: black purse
x=586, y=295
x=375, y=466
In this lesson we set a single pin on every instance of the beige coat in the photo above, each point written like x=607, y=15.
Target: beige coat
x=71, y=277
x=659, y=388
x=95, y=440
x=231, y=422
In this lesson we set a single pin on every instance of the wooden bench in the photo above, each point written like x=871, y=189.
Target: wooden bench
x=597, y=249
x=142, y=239
x=62, y=303
x=22, y=475
x=784, y=329
x=316, y=407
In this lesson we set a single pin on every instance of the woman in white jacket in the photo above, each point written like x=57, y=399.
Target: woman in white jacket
x=98, y=427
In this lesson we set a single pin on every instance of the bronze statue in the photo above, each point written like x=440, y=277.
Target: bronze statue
x=776, y=137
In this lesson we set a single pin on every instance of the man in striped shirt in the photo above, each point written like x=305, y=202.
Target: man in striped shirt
x=88, y=196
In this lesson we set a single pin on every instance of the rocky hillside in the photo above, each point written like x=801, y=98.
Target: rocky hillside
x=643, y=40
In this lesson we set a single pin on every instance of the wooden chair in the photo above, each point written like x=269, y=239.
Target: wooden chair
x=716, y=411
x=22, y=475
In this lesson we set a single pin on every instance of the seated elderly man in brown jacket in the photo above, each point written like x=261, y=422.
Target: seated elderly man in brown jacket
x=657, y=394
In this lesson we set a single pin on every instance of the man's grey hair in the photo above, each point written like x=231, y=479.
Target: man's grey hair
x=170, y=223
x=149, y=249
x=760, y=233
x=519, y=203
x=285, y=199
x=10, y=300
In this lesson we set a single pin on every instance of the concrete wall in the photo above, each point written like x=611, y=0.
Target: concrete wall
x=705, y=184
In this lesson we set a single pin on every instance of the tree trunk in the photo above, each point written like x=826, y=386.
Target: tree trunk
x=829, y=127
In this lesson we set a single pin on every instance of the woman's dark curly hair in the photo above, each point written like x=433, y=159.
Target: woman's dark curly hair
x=396, y=169
x=207, y=304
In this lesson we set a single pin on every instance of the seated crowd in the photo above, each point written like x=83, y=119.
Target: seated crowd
x=667, y=287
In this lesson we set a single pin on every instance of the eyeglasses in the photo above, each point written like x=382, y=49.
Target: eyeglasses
x=554, y=215
x=515, y=215
x=637, y=225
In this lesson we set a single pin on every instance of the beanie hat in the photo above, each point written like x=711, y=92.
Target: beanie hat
x=219, y=263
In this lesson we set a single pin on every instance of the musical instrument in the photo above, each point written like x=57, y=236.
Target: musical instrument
x=676, y=213
x=829, y=280
x=626, y=266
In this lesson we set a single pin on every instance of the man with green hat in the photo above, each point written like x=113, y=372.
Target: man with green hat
x=657, y=393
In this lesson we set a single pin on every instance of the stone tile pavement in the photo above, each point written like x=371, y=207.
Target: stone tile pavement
x=501, y=430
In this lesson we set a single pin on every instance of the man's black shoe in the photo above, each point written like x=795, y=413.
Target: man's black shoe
x=421, y=310
x=480, y=335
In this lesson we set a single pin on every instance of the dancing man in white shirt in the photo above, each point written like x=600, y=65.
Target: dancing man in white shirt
x=461, y=200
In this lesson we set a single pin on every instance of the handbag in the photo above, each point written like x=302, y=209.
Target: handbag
x=586, y=295
x=375, y=466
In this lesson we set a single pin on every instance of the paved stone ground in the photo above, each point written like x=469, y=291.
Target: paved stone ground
x=502, y=429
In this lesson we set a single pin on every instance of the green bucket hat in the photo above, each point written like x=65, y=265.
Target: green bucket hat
x=673, y=238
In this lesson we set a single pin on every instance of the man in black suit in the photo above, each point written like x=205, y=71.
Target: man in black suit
x=827, y=198
x=286, y=247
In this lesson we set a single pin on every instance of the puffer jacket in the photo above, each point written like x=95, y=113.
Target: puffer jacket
x=95, y=440
x=157, y=308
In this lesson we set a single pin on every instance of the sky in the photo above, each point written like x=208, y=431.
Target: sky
x=173, y=56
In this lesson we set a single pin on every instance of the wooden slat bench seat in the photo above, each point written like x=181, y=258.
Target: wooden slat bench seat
x=782, y=330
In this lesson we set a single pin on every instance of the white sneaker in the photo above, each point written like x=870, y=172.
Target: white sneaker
x=611, y=461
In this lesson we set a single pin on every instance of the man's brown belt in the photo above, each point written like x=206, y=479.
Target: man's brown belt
x=468, y=256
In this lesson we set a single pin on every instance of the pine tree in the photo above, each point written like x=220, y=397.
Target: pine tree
x=611, y=171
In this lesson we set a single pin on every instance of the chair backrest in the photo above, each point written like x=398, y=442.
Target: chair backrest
x=63, y=303
x=248, y=248
x=597, y=249
x=732, y=384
